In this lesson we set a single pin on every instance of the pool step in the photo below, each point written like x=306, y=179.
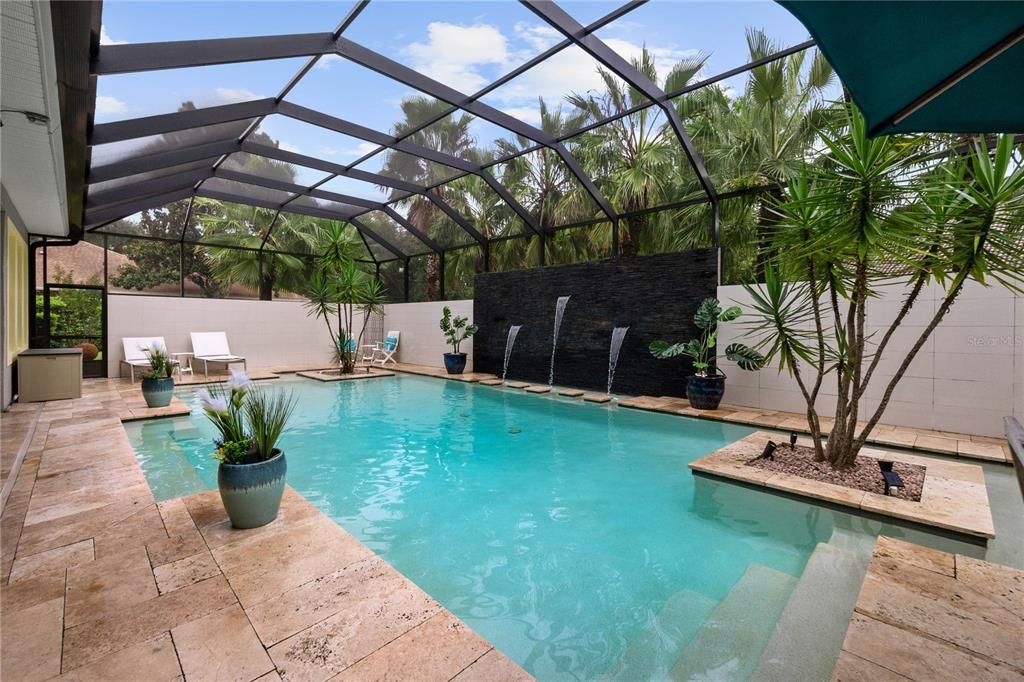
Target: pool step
x=730, y=643
x=811, y=629
x=652, y=653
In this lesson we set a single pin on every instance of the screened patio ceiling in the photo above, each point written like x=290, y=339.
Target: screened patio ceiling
x=233, y=152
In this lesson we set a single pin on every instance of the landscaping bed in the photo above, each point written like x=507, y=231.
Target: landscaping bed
x=863, y=475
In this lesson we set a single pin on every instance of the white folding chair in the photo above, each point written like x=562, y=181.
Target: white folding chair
x=213, y=347
x=387, y=350
x=136, y=352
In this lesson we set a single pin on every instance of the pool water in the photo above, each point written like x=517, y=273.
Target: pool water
x=572, y=536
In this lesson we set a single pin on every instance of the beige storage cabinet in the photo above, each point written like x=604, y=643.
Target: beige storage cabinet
x=49, y=374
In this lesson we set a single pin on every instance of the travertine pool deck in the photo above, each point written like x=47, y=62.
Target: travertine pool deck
x=927, y=615
x=954, y=496
x=962, y=445
x=328, y=376
x=99, y=581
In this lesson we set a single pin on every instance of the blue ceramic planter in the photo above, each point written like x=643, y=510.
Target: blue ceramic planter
x=455, y=363
x=158, y=392
x=251, y=493
x=705, y=393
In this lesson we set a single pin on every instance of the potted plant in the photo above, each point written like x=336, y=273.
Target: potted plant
x=157, y=383
x=252, y=470
x=456, y=330
x=707, y=385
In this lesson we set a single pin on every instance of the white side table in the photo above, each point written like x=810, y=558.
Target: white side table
x=184, y=361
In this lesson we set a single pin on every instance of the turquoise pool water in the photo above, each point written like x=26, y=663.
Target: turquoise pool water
x=572, y=536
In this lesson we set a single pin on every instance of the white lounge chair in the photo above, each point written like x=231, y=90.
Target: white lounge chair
x=388, y=348
x=213, y=347
x=136, y=355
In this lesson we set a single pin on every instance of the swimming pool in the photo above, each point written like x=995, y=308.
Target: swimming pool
x=571, y=535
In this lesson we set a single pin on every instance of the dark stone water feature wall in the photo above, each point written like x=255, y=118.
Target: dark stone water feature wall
x=655, y=296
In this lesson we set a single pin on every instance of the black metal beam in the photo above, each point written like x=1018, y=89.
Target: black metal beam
x=515, y=73
x=344, y=127
x=561, y=21
x=328, y=167
x=109, y=214
x=455, y=216
x=414, y=79
x=364, y=230
x=177, y=156
x=237, y=198
x=143, y=188
x=349, y=17
x=178, y=54
x=180, y=120
x=270, y=183
x=412, y=229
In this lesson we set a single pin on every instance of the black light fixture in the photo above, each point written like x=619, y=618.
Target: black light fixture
x=792, y=439
x=769, y=451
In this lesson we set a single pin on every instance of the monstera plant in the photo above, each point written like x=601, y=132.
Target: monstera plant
x=707, y=385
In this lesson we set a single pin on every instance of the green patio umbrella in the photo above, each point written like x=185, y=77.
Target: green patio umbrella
x=953, y=67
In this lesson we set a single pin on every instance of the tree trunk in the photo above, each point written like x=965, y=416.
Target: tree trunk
x=433, y=277
x=767, y=219
x=629, y=242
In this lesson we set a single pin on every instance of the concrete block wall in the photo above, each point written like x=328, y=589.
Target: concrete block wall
x=966, y=378
x=266, y=333
x=422, y=342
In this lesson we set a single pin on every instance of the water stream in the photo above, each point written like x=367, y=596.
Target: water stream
x=513, y=332
x=618, y=334
x=559, y=312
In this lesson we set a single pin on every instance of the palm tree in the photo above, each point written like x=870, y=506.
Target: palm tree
x=254, y=263
x=767, y=133
x=633, y=159
x=449, y=135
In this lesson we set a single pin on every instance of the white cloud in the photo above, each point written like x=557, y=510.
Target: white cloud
x=525, y=113
x=109, y=105
x=288, y=147
x=232, y=95
x=327, y=61
x=105, y=38
x=454, y=54
x=573, y=71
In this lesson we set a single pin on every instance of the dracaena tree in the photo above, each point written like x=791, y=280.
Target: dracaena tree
x=869, y=213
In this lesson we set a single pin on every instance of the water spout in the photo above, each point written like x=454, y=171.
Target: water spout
x=618, y=334
x=513, y=332
x=559, y=312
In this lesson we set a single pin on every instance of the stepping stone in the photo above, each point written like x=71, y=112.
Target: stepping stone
x=651, y=653
x=731, y=642
x=811, y=630
x=491, y=382
x=538, y=389
x=516, y=384
x=596, y=397
x=571, y=392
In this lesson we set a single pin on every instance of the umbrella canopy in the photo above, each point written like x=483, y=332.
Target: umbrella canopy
x=925, y=66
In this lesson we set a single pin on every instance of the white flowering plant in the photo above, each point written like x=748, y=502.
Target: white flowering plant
x=249, y=420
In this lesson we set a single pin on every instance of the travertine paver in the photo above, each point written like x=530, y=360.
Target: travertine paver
x=328, y=377
x=956, y=444
x=913, y=622
x=954, y=496
x=538, y=388
x=102, y=582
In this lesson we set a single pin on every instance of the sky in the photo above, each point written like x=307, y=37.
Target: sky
x=465, y=45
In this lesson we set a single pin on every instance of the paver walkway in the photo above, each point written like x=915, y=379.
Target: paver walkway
x=927, y=615
x=99, y=581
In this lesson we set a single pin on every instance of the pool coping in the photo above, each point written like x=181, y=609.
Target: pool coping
x=954, y=496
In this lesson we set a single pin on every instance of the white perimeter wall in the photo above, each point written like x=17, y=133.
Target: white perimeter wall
x=269, y=333
x=966, y=378
x=422, y=342
x=266, y=333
